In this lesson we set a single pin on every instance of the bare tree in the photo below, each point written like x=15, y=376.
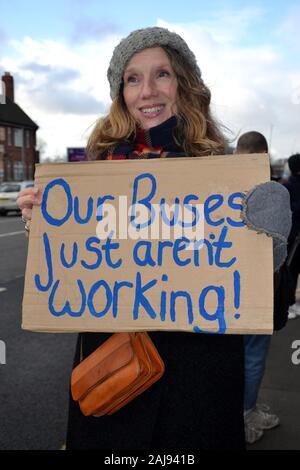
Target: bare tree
x=41, y=146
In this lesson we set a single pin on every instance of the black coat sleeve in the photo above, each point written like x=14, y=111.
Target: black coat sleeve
x=282, y=294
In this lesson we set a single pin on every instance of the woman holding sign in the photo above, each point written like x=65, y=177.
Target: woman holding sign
x=160, y=108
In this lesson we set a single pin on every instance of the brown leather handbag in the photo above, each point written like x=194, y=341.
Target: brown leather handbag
x=119, y=370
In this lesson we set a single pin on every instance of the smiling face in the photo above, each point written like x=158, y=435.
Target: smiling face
x=150, y=87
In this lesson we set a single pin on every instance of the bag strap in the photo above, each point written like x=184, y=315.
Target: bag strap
x=132, y=334
x=81, y=349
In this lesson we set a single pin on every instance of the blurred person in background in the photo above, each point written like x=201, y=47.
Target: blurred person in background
x=293, y=187
x=257, y=417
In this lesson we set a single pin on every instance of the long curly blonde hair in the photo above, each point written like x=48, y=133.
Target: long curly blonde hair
x=196, y=132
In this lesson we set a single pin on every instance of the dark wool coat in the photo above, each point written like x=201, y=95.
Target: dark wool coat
x=198, y=403
x=293, y=187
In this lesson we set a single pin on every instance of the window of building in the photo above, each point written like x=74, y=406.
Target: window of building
x=18, y=171
x=29, y=170
x=27, y=139
x=9, y=139
x=2, y=134
x=18, y=137
x=7, y=170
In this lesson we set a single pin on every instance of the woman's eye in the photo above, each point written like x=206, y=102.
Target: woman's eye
x=132, y=79
x=164, y=73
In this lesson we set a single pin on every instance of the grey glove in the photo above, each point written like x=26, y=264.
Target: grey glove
x=266, y=209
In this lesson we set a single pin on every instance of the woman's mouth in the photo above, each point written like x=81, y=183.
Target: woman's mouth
x=152, y=111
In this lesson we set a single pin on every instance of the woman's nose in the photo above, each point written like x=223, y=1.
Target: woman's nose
x=148, y=88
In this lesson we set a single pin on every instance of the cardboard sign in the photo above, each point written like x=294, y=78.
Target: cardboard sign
x=148, y=245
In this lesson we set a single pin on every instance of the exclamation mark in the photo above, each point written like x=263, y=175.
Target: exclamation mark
x=237, y=292
x=163, y=300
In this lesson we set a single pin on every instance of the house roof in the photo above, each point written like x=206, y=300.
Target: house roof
x=11, y=113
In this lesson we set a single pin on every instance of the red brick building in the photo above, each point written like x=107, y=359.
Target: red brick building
x=18, y=154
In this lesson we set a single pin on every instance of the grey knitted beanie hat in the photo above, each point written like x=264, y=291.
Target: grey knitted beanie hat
x=136, y=42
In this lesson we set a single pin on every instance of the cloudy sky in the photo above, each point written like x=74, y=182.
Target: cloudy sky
x=249, y=53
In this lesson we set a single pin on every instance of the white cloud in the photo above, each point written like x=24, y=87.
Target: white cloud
x=222, y=27
x=61, y=87
x=252, y=88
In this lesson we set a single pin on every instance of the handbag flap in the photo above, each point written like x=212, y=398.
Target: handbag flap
x=111, y=390
x=114, y=354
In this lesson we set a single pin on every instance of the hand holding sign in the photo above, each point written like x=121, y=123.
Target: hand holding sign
x=27, y=198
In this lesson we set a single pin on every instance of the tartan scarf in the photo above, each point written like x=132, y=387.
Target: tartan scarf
x=157, y=142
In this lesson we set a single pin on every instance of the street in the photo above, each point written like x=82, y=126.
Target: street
x=34, y=381
x=13, y=248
